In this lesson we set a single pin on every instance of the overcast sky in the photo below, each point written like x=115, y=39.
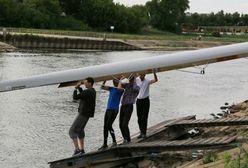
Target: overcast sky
x=205, y=6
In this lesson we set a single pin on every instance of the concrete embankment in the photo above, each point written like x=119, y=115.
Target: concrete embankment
x=6, y=48
x=48, y=41
x=56, y=42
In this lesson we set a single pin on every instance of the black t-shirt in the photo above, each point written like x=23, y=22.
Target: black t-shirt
x=87, y=101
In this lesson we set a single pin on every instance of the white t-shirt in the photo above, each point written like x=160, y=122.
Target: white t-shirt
x=144, y=88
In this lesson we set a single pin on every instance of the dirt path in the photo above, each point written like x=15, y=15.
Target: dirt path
x=174, y=45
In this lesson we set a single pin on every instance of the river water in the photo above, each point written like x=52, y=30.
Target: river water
x=34, y=123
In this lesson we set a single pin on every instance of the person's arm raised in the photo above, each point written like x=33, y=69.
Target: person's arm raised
x=104, y=87
x=155, y=77
x=120, y=84
x=77, y=96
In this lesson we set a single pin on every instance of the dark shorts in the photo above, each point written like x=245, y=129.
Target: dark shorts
x=77, y=128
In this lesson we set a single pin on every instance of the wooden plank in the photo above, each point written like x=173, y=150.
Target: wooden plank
x=212, y=122
x=152, y=131
x=178, y=145
x=160, y=128
x=140, y=149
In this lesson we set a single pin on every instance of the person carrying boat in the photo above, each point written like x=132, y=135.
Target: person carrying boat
x=131, y=91
x=111, y=112
x=86, y=110
x=143, y=101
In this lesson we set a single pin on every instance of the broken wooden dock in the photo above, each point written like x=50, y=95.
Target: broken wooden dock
x=160, y=138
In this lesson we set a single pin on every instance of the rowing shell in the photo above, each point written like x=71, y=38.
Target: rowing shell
x=102, y=72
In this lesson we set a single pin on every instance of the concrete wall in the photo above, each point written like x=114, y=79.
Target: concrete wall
x=41, y=42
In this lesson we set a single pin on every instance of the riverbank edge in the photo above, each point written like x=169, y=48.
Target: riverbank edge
x=139, y=44
x=170, y=45
x=184, y=159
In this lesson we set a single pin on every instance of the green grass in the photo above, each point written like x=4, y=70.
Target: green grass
x=209, y=157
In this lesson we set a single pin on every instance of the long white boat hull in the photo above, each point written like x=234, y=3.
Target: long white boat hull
x=165, y=62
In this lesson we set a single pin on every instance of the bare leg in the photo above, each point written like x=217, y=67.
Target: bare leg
x=81, y=143
x=75, y=142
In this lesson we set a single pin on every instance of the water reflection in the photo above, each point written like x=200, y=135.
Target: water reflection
x=34, y=123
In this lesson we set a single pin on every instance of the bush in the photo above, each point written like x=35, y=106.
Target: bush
x=216, y=34
x=209, y=157
x=240, y=160
x=69, y=23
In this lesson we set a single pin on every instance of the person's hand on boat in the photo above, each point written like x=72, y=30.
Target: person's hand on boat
x=154, y=70
x=123, y=80
x=78, y=85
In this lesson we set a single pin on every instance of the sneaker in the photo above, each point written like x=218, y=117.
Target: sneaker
x=141, y=136
x=80, y=153
x=114, y=144
x=125, y=142
x=103, y=147
x=76, y=152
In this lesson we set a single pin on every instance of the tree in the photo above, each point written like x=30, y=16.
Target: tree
x=244, y=19
x=8, y=12
x=236, y=18
x=167, y=14
x=139, y=18
x=153, y=10
x=43, y=13
x=220, y=18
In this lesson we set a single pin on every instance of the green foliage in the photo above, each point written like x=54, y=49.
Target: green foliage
x=216, y=34
x=227, y=159
x=96, y=14
x=50, y=7
x=232, y=163
x=8, y=12
x=209, y=157
x=36, y=14
x=217, y=19
x=239, y=160
x=103, y=15
x=149, y=30
x=99, y=15
x=69, y=23
x=167, y=14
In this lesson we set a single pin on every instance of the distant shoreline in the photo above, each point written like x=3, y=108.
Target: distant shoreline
x=163, y=41
x=155, y=45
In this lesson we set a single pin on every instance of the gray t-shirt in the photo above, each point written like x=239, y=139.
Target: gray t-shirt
x=130, y=94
